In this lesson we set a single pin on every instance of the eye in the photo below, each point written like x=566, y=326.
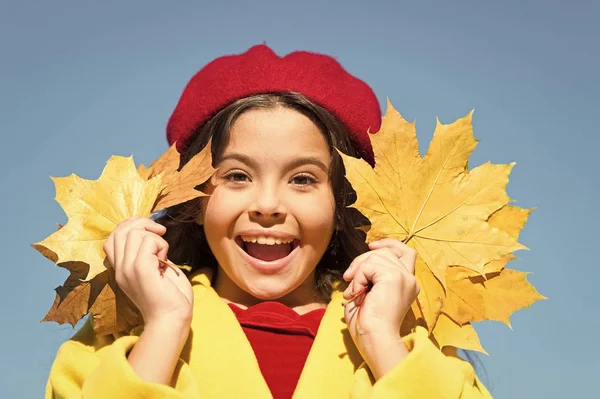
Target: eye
x=303, y=179
x=236, y=176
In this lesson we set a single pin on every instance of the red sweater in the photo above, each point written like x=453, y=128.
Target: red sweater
x=281, y=339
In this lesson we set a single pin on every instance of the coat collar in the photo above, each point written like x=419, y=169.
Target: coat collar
x=218, y=349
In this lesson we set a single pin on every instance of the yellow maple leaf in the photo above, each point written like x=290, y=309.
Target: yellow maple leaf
x=428, y=305
x=181, y=184
x=144, y=172
x=67, y=307
x=475, y=298
x=471, y=297
x=448, y=333
x=434, y=204
x=503, y=291
x=94, y=209
x=510, y=219
x=457, y=220
x=111, y=309
x=168, y=163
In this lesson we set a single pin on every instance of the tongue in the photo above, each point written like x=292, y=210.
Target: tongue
x=268, y=252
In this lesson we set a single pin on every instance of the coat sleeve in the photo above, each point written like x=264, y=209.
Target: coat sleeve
x=425, y=373
x=90, y=367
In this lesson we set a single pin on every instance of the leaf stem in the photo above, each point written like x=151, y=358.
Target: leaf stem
x=169, y=264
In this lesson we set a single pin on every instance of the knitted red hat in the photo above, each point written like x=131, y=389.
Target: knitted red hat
x=259, y=70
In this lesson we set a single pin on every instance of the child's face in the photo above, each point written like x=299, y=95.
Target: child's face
x=272, y=183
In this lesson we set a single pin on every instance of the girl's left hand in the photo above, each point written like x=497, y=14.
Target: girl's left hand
x=375, y=317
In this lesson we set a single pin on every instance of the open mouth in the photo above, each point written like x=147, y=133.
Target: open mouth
x=268, y=250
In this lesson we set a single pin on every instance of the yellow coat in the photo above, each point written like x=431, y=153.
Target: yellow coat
x=218, y=362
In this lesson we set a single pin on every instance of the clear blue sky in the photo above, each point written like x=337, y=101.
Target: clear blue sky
x=82, y=80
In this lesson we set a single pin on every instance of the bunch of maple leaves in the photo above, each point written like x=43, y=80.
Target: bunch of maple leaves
x=94, y=209
x=457, y=220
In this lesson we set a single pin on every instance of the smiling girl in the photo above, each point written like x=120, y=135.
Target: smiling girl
x=274, y=252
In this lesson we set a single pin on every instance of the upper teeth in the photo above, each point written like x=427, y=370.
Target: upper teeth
x=267, y=240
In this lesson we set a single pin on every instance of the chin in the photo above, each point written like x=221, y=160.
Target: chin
x=268, y=288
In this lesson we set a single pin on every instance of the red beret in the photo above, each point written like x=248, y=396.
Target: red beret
x=259, y=70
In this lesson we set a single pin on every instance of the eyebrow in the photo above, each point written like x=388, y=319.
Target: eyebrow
x=289, y=166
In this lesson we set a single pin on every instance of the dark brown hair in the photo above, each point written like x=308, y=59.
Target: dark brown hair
x=186, y=238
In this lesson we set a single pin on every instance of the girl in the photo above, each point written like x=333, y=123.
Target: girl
x=274, y=252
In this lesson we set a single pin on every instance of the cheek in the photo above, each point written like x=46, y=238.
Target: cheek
x=316, y=216
x=219, y=212
x=224, y=203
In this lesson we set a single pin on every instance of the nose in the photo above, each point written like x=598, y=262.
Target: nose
x=267, y=204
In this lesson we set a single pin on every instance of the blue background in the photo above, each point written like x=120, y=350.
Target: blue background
x=82, y=80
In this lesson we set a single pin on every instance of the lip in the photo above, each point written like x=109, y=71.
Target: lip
x=266, y=267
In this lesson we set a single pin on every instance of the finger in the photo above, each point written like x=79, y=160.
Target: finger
x=109, y=250
x=383, y=242
x=407, y=254
x=386, y=253
x=359, y=284
x=131, y=248
x=119, y=240
x=163, y=251
x=391, y=256
x=349, y=273
x=131, y=219
x=357, y=288
x=375, y=269
x=146, y=262
x=383, y=252
x=148, y=225
x=351, y=312
x=135, y=222
x=354, y=290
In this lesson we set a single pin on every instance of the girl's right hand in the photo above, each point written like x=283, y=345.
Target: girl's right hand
x=133, y=250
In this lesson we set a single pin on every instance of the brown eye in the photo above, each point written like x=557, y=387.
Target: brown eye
x=236, y=176
x=303, y=180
